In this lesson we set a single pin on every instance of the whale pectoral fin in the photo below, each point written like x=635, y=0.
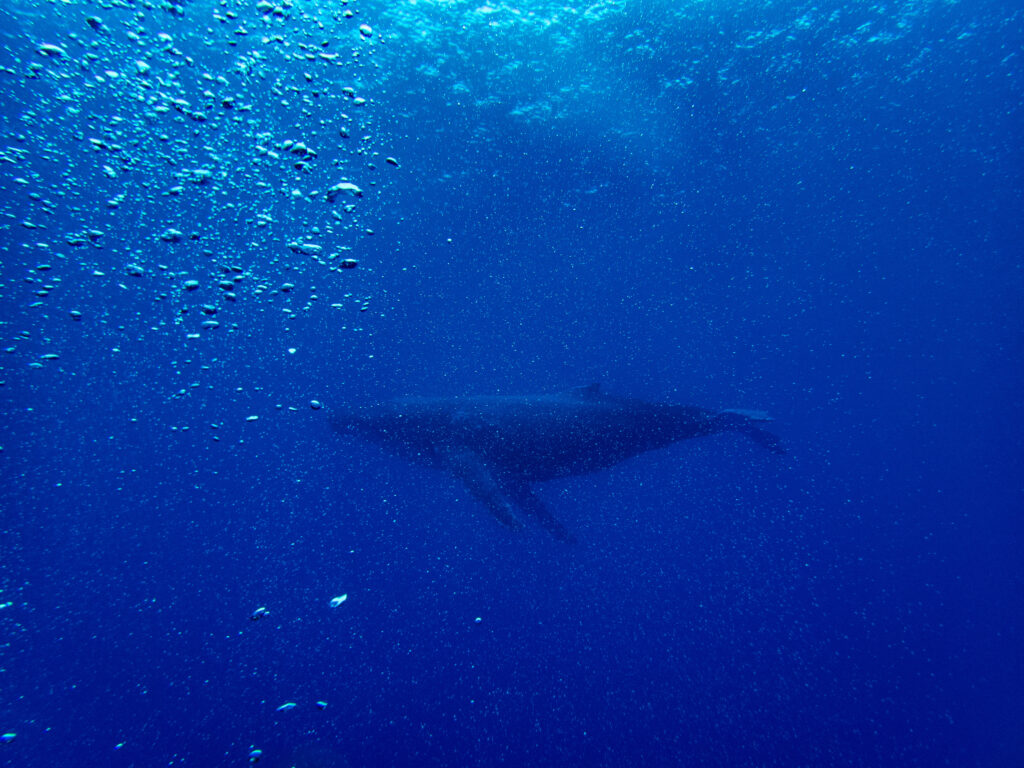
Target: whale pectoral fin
x=588, y=392
x=521, y=493
x=744, y=421
x=748, y=414
x=471, y=469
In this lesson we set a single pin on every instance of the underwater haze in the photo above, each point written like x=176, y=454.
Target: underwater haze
x=224, y=221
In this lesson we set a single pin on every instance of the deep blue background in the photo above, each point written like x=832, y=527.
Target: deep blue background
x=814, y=210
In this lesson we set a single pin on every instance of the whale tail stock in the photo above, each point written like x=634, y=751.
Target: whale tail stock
x=743, y=421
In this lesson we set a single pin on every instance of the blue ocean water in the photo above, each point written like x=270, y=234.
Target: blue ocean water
x=811, y=209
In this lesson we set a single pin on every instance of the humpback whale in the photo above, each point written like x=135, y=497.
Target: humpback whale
x=498, y=445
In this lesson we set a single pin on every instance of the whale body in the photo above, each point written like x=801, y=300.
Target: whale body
x=498, y=445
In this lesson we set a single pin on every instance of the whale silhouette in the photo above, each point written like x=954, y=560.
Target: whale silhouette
x=498, y=445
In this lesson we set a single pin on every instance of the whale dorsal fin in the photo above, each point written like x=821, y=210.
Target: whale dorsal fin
x=587, y=392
